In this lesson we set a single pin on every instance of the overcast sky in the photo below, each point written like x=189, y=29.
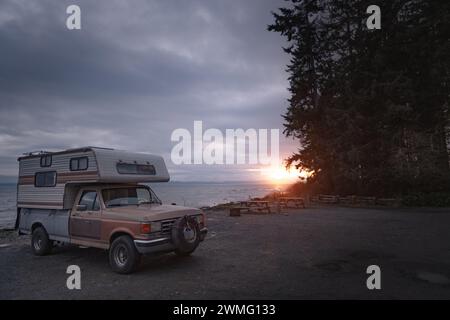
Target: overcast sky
x=136, y=71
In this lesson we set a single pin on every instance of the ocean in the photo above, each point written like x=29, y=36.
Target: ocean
x=191, y=194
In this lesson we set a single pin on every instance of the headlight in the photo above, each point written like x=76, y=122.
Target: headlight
x=156, y=226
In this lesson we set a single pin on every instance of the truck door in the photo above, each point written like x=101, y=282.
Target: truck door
x=85, y=220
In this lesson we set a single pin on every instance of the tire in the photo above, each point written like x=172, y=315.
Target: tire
x=123, y=255
x=40, y=243
x=185, y=236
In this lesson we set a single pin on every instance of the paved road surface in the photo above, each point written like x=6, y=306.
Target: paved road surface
x=309, y=253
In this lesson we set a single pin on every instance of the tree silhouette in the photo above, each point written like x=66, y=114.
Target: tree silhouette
x=370, y=108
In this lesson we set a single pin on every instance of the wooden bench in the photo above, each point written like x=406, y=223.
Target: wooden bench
x=348, y=200
x=236, y=211
x=323, y=198
x=296, y=201
x=353, y=200
x=390, y=202
x=366, y=200
x=257, y=205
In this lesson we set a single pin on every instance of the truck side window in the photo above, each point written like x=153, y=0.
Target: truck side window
x=90, y=200
x=143, y=195
x=96, y=203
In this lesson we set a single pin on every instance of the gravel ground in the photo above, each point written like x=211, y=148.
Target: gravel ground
x=314, y=253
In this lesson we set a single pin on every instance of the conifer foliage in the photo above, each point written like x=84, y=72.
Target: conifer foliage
x=370, y=108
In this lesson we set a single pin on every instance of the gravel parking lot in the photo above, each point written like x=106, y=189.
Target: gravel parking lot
x=314, y=253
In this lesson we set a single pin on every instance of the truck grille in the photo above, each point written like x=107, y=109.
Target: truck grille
x=166, y=226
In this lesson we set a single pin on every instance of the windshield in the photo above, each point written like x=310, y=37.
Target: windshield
x=128, y=196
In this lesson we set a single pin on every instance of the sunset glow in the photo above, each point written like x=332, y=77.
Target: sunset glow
x=282, y=175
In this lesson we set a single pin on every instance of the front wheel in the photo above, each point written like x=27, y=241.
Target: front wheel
x=123, y=256
x=40, y=243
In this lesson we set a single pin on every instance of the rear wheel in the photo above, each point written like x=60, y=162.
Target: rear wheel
x=123, y=256
x=40, y=243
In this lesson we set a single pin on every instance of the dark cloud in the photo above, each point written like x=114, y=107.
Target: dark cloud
x=136, y=71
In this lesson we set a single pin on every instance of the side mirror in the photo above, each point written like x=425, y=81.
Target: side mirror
x=81, y=207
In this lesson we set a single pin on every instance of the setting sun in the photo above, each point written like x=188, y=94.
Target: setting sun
x=281, y=174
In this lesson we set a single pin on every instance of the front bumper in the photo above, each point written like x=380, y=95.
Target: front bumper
x=163, y=244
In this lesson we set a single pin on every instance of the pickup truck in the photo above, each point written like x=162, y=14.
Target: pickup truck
x=127, y=219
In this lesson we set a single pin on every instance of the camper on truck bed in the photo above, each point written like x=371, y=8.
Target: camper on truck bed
x=93, y=197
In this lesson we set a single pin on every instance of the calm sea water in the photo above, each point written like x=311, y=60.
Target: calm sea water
x=192, y=194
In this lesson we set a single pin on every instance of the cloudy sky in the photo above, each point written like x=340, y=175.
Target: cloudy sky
x=136, y=71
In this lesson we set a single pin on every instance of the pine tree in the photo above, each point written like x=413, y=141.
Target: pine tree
x=369, y=107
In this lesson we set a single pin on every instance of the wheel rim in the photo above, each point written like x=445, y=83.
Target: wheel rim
x=121, y=255
x=189, y=233
x=37, y=242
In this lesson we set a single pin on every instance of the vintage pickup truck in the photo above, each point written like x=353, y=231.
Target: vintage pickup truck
x=94, y=197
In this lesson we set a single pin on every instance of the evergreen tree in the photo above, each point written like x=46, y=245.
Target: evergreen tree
x=369, y=107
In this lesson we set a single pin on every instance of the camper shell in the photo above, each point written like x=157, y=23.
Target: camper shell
x=50, y=180
x=95, y=197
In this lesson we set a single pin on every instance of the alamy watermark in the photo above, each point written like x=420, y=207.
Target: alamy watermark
x=233, y=146
x=74, y=280
x=73, y=21
x=374, y=20
x=374, y=280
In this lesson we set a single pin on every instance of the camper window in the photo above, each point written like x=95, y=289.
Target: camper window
x=46, y=161
x=132, y=168
x=45, y=179
x=78, y=164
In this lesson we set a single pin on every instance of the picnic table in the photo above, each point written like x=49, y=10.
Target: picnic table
x=250, y=205
x=296, y=201
x=258, y=205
